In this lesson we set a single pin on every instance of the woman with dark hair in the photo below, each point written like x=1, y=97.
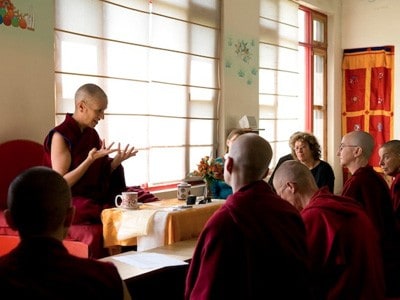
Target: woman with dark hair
x=306, y=149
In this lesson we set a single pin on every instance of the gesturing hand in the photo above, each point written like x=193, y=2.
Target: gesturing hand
x=123, y=155
x=103, y=151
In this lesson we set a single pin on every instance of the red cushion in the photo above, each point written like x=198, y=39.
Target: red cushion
x=19, y=155
x=90, y=234
x=4, y=229
x=15, y=157
x=7, y=243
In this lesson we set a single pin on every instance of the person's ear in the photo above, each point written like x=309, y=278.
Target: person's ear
x=9, y=219
x=81, y=105
x=292, y=187
x=229, y=164
x=357, y=151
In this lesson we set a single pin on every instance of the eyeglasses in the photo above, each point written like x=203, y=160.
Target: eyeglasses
x=344, y=146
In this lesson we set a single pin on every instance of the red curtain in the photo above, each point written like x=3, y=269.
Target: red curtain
x=367, y=94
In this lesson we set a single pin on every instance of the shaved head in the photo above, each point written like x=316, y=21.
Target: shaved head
x=362, y=139
x=38, y=201
x=252, y=155
x=90, y=92
x=294, y=182
x=392, y=145
x=294, y=171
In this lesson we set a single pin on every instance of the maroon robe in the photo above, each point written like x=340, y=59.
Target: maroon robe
x=252, y=247
x=395, y=193
x=370, y=189
x=98, y=187
x=344, y=249
x=42, y=268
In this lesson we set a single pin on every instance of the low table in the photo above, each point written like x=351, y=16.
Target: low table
x=155, y=224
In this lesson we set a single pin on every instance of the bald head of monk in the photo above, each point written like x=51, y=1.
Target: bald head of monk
x=39, y=204
x=355, y=150
x=247, y=161
x=294, y=182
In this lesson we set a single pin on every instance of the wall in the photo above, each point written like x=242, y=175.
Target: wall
x=374, y=23
x=239, y=95
x=27, y=72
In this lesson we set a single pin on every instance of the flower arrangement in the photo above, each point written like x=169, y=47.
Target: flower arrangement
x=210, y=169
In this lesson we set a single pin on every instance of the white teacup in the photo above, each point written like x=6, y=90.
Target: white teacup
x=127, y=200
x=183, y=190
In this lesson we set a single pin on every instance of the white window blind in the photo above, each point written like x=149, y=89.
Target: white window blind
x=158, y=63
x=281, y=110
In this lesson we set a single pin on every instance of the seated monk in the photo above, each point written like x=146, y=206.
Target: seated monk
x=40, y=267
x=345, y=254
x=75, y=150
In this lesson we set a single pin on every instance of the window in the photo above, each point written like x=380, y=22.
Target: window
x=292, y=86
x=158, y=63
x=282, y=111
x=313, y=51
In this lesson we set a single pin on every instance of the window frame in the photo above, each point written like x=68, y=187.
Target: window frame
x=315, y=48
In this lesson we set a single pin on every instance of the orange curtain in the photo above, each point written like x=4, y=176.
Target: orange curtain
x=367, y=94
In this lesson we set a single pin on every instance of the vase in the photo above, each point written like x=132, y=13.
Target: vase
x=208, y=188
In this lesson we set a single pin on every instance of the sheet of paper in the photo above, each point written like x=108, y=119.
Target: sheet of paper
x=144, y=260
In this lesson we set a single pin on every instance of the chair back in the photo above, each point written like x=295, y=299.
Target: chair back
x=77, y=248
x=17, y=156
x=8, y=242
